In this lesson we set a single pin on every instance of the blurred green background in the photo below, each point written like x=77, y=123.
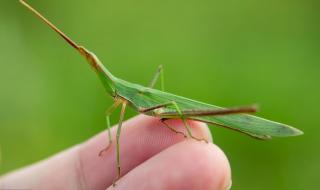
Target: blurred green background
x=222, y=52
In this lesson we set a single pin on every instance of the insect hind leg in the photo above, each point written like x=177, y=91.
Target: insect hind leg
x=179, y=115
x=186, y=125
x=171, y=128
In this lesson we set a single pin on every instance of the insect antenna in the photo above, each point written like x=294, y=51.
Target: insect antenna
x=103, y=73
x=64, y=36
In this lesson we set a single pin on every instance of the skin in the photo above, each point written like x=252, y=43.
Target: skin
x=152, y=158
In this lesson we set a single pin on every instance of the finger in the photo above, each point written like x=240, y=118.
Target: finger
x=81, y=168
x=187, y=165
x=142, y=137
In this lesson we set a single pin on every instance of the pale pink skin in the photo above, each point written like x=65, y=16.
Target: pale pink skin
x=152, y=157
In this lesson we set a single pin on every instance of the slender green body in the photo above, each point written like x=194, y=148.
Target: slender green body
x=164, y=105
x=141, y=97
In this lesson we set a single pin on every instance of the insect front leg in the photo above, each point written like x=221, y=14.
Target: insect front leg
x=123, y=109
x=108, y=113
x=158, y=73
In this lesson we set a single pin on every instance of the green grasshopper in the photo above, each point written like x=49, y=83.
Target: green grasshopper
x=163, y=105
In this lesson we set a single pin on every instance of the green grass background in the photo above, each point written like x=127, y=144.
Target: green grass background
x=223, y=52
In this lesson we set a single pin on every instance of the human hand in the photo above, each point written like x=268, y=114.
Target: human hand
x=152, y=158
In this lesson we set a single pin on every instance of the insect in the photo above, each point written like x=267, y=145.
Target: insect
x=157, y=103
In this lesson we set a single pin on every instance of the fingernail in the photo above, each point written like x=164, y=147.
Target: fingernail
x=229, y=185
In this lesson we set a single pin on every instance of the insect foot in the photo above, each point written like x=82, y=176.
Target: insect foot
x=118, y=176
x=199, y=139
x=114, y=182
x=105, y=149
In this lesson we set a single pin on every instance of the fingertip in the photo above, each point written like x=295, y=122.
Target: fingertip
x=212, y=164
x=188, y=165
x=221, y=167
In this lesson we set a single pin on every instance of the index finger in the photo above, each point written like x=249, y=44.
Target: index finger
x=80, y=167
x=142, y=138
